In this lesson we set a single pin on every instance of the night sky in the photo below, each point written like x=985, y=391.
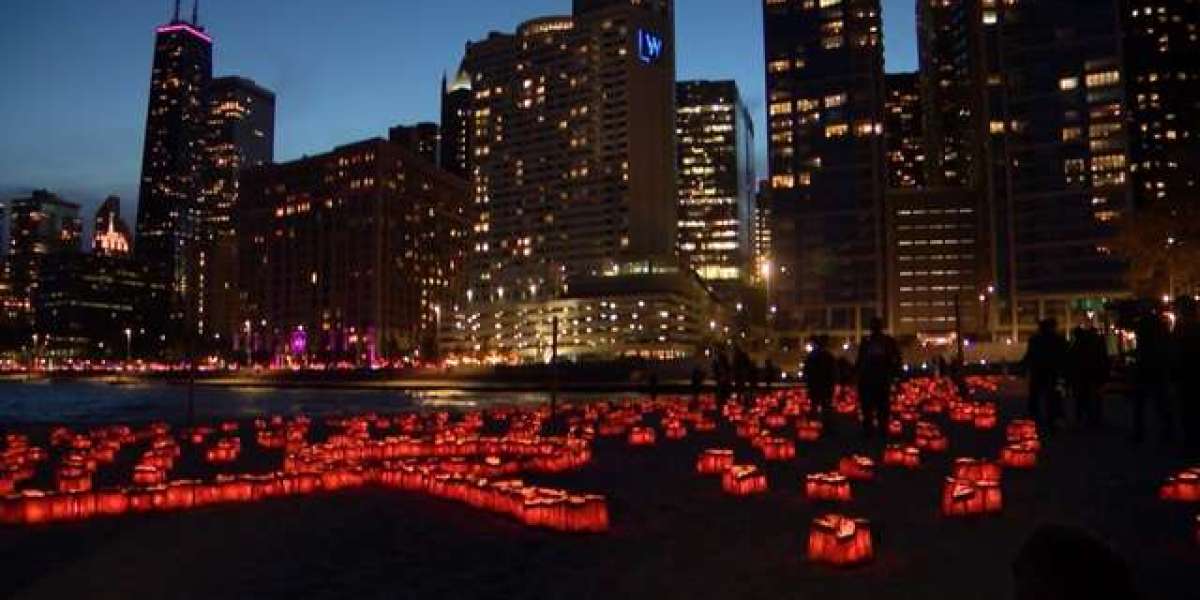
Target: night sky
x=76, y=74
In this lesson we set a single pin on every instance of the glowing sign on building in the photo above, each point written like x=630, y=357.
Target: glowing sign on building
x=650, y=46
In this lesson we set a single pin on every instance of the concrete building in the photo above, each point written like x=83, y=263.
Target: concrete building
x=716, y=182
x=351, y=255
x=825, y=105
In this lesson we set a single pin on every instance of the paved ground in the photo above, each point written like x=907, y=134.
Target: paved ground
x=674, y=534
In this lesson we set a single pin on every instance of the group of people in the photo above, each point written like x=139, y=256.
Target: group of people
x=1162, y=371
x=877, y=368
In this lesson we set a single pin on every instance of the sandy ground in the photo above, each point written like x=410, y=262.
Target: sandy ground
x=674, y=535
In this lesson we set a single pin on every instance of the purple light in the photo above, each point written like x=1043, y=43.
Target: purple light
x=184, y=27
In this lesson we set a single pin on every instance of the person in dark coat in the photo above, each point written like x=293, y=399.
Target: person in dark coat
x=1089, y=371
x=1066, y=563
x=1045, y=359
x=820, y=376
x=1187, y=369
x=878, y=367
x=1151, y=373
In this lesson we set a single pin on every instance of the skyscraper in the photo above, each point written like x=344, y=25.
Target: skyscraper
x=825, y=100
x=40, y=225
x=904, y=132
x=573, y=163
x=173, y=156
x=455, y=151
x=239, y=134
x=110, y=233
x=1066, y=138
x=716, y=180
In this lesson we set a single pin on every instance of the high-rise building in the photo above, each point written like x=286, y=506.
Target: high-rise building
x=903, y=132
x=455, y=134
x=763, y=263
x=40, y=226
x=351, y=255
x=96, y=306
x=173, y=156
x=1162, y=79
x=572, y=143
x=825, y=104
x=1066, y=138
x=3, y=230
x=239, y=134
x=110, y=233
x=716, y=180
x=424, y=139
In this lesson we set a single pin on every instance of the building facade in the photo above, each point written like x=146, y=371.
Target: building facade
x=96, y=306
x=572, y=143
x=40, y=226
x=904, y=132
x=455, y=133
x=1067, y=148
x=173, y=159
x=825, y=104
x=423, y=138
x=110, y=234
x=716, y=181
x=240, y=134
x=350, y=256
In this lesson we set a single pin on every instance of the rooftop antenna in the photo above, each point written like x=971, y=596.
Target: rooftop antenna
x=196, y=13
x=176, y=11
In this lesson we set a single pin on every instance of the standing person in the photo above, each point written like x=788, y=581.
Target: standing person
x=1151, y=372
x=1045, y=358
x=878, y=366
x=1187, y=371
x=697, y=384
x=820, y=377
x=1088, y=372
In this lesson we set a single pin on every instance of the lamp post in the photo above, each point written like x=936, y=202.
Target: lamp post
x=765, y=271
x=128, y=346
x=247, y=343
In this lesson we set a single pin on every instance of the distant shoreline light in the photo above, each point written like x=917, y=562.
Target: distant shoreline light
x=184, y=27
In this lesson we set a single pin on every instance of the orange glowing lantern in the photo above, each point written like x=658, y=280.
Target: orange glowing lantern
x=714, y=461
x=971, y=469
x=840, y=541
x=895, y=428
x=1019, y=456
x=641, y=436
x=858, y=468
x=902, y=456
x=744, y=480
x=962, y=498
x=832, y=487
x=809, y=430
x=148, y=475
x=675, y=431
x=985, y=417
x=1182, y=487
x=778, y=449
x=748, y=428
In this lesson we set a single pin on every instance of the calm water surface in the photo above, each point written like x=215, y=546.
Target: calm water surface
x=100, y=402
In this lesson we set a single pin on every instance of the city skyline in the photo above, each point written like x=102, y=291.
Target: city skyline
x=86, y=155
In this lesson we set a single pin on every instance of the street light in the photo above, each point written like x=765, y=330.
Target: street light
x=128, y=345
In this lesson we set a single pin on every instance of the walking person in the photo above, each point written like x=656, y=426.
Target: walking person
x=1088, y=372
x=1187, y=369
x=820, y=377
x=1045, y=359
x=878, y=367
x=1151, y=373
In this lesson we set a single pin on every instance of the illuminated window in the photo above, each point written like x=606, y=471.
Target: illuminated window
x=1067, y=84
x=837, y=130
x=1104, y=78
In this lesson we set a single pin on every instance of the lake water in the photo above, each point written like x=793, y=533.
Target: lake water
x=48, y=402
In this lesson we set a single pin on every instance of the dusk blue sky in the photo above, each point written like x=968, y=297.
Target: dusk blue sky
x=76, y=73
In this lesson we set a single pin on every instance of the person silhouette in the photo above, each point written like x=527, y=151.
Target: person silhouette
x=820, y=377
x=1151, y=372
x=1088, y=370
x=1066, y=563
x=1186, y=347
x=1045, y=359
x=878, y=367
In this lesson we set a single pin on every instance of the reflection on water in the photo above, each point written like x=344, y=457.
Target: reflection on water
x=98, y=402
